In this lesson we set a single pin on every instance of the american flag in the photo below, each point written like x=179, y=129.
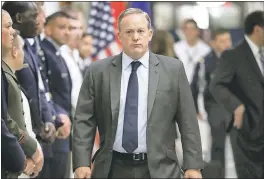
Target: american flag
x=101, y=25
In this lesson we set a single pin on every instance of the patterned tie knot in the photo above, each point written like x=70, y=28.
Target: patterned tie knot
x=135, y=65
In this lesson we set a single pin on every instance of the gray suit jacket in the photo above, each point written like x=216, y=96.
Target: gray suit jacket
x=169, y=101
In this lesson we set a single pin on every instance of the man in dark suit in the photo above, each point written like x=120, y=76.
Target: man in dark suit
x=238, y=85
x=135, y=99
x=24, y=15
x=204, y=71
x=56, y=28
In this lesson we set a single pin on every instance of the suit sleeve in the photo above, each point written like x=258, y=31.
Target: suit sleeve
x=223, y=78
x=28, y=144
x=195, y=87
x=13, y=157
x=45, y=108
x=84, y=124
x=188, y=124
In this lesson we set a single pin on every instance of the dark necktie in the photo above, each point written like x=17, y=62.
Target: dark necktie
x=130, y=130
x=262, y=60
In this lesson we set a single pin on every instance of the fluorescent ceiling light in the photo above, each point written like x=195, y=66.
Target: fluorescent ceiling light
x=210, y=4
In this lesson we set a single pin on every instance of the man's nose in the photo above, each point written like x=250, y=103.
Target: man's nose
x=12, y=31
x=135, y=36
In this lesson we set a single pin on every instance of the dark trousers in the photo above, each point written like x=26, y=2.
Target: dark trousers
x=245, y=167
x=218, y=133
x=128, y=169
x=56, y=166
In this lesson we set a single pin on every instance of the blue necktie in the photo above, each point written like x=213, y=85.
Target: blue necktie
x=130, y=130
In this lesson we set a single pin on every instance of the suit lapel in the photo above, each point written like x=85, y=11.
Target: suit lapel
x=252, y=61
x=30, y=59
x=7, y=70
x=153, y=81
x=115, y=85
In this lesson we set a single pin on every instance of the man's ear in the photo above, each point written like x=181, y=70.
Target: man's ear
x=14, y=52
x=19, y=18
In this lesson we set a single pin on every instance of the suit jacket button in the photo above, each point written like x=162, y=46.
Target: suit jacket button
x=22, y=100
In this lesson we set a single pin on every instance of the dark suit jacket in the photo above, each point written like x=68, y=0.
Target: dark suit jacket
x=169, y=101
x=59, y=85
x=28, y=78
x=216, y=113
x=238, y=80
x=13, y=157
x=43, y=68
x=15, y=116
x=12, y=160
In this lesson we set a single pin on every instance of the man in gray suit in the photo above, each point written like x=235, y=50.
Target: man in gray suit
x=135, y=100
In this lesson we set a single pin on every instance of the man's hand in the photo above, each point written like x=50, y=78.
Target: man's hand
x=193, y=173
x=38, y=159
x=48, y=132
x=238, y=116
x=30, y=167
x=82, y=172
x=65, y=130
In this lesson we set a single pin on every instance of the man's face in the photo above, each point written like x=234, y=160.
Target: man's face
x=28, y=26
x=18, y=53
x=7, y=31
x=135, y=35
x=41, y=19
x=223, y=42
x=58, y=30
x=75, y=30
x=85, y=46
x=261, y=35
x=190, y=31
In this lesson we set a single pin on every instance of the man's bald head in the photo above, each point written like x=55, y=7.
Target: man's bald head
x=18, y=41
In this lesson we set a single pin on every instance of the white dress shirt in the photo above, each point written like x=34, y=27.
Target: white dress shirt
x=143, y=78
x=71, y=58
x=184, y=52
x=40, y=80
x=83, y=63
x=255, y=50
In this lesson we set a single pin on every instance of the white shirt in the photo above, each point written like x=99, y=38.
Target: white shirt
x=83, y=63
x=143, y=78
x=71, y=58
x=40, y=81
x=255, y=50
x=184, y=52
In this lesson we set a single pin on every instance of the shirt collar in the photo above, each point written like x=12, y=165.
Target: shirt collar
x=255, y=49
x=30, y=41
x=55, y=44
x=126, y=60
